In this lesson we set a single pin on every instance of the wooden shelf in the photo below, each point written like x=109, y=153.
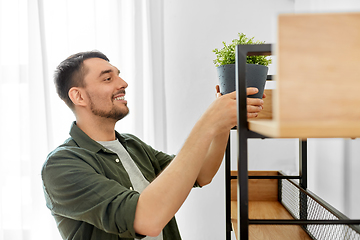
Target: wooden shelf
x=317, y=81
x=328, y=129
x=264, y=204
x=269, y=210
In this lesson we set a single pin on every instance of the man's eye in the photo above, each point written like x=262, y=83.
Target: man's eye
x=108, y=79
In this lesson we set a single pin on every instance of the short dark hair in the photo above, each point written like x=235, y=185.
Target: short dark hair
x=70, y=73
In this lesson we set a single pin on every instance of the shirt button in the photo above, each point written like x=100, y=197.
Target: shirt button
x=117, y=160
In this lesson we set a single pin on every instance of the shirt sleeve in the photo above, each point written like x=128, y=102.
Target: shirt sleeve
x=76, y=189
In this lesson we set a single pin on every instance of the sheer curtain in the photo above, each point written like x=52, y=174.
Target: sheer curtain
x=34, y=37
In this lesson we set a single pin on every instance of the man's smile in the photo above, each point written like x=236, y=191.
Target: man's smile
x=120, y=98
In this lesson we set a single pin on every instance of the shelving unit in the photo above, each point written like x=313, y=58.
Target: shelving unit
x=309, y=101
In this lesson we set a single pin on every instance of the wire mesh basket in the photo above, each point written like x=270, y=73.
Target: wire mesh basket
x=304, y=205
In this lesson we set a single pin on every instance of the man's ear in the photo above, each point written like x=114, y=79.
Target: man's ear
x=77, y=96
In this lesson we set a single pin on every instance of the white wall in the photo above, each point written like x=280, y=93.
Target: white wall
x=326, y=5
x=192, y=29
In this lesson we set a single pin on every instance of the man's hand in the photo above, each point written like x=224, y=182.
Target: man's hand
x=254, y=105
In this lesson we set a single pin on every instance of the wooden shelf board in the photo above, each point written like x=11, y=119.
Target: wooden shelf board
x=324, y=129
x=268, y=210
x=267, y=128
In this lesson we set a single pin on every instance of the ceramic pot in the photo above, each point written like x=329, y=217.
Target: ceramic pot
x=255, y=77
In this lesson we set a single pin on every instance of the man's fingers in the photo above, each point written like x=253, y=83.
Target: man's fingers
x=252, y=115
x=254, y=106
x=251, y=91
x=254, y=101
x=254, y=109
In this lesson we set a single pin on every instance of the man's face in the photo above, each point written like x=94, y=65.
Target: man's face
x=105, y=90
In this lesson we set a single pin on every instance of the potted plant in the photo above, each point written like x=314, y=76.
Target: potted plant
x=256, y=67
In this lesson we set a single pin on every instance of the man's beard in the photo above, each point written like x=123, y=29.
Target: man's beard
x=116, y=114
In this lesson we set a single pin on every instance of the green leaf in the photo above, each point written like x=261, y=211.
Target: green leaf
x=226, y=55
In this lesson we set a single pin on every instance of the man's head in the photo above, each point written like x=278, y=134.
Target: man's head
x=87, y=82
x=70, y=73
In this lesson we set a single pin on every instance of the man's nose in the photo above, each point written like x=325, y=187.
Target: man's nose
x=122, y=83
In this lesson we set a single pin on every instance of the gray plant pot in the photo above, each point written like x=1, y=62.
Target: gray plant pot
x=255, y=77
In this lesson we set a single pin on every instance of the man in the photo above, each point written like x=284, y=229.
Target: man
x=104, y=185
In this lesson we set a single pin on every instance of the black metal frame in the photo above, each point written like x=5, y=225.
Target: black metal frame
x=242, y=51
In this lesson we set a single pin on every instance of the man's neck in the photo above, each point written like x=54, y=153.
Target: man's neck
x=98, y=129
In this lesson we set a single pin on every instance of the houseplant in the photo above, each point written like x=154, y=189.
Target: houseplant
x=256, y=67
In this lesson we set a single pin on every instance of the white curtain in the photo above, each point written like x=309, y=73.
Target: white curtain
x=35, y=36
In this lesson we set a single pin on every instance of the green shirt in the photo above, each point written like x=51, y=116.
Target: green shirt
x=89, y=192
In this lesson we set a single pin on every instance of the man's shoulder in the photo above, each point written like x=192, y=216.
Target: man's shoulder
x=68, y=145
x=68, y=151
x=69, y=155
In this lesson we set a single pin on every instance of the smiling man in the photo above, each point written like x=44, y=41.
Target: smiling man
x=101, y=184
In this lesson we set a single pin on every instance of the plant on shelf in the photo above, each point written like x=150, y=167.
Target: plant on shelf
x=226, y=55
x=256, y=67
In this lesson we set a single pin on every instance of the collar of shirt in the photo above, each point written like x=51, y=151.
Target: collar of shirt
x=84, y=141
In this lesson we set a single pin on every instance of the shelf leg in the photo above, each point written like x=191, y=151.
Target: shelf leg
x=228, y=191
x=303, y=163
x=243, y=198
x=303, y=208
